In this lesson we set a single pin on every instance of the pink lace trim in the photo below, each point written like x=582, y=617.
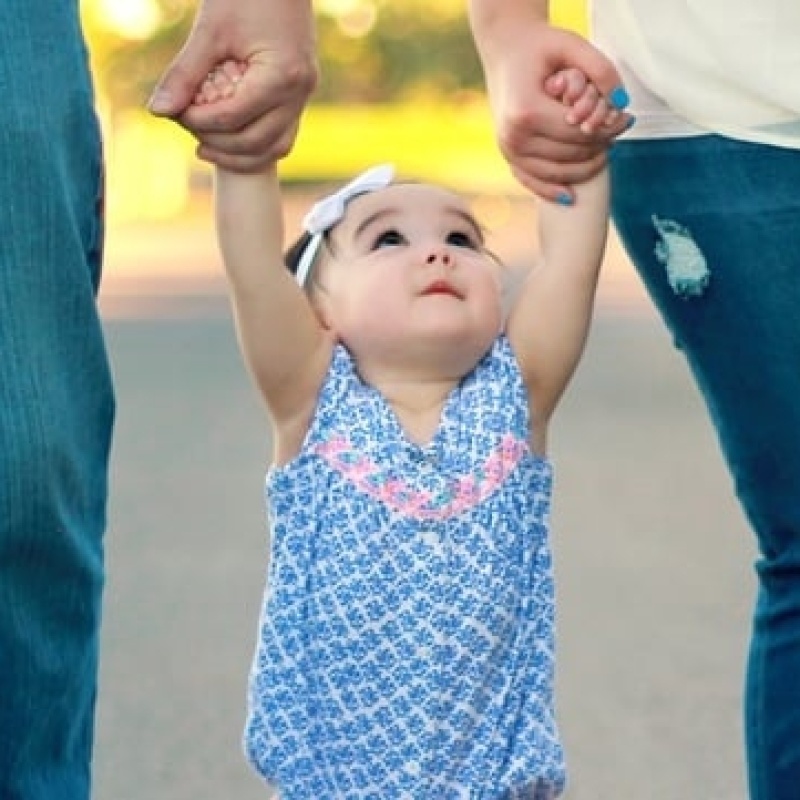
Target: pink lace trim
x=462, y=493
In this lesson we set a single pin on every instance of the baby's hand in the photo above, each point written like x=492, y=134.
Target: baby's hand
x=586, y=107
x=220, y=83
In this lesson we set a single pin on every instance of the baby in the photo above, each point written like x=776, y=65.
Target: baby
x=406, y=641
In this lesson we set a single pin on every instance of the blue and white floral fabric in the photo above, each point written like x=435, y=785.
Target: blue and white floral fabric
x=405, y=647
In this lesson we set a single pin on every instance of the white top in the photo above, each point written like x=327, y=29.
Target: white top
x=693, y=66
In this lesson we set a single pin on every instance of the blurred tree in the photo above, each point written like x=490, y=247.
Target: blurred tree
x=379, y=51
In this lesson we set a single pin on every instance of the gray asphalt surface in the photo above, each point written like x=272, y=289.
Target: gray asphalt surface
x=653, y=566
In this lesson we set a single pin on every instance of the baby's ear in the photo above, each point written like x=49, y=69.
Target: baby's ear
x=321, y=308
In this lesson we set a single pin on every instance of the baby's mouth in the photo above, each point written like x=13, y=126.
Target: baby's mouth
x=442, y=287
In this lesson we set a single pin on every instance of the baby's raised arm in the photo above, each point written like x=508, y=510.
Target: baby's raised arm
x=280, y=336
x=549, y=322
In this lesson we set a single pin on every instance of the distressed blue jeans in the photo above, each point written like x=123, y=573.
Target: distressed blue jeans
x=738, y=206
x=56, y=405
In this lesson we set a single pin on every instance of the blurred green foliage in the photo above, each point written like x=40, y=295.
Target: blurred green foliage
x=399, y=77
x=412, y=50
x=127, y=66
x=370, y=51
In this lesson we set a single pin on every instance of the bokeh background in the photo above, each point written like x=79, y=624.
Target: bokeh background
x=400, y=82
x=652, y=555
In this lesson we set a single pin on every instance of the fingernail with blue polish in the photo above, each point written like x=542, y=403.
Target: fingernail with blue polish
x=630, y=123
x=564, y=199
x=619, y=98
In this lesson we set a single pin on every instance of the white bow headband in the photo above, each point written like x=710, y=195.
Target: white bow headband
x=326, y=213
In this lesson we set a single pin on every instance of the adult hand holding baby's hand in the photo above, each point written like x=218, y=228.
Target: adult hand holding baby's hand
x=258, y=123
x=521, y=51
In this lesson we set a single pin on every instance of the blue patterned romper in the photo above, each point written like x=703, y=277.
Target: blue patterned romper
x=405, y=647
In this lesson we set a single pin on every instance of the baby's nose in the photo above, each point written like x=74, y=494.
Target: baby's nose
x=439, y=255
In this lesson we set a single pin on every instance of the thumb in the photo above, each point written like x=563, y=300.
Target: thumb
x=599, y=69
x=176, y=89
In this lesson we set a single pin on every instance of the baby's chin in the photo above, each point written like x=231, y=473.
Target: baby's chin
x=443, y=357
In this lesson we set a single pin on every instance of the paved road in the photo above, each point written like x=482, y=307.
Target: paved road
x=653, y=564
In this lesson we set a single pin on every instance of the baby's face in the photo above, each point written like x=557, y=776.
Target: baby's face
x=408, y=265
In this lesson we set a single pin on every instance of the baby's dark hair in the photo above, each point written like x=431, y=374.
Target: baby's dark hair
x=291, y=258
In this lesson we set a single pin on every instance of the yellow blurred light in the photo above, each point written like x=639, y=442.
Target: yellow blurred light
x=359, y=22
x=355, y=18
x=573, y=14
x=338, y=8
x=134, y=19
x=148, y=168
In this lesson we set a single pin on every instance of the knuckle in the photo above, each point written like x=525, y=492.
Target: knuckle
x=301, y=76
x=221, y=121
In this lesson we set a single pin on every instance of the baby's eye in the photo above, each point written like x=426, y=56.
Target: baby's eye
x=463, y=239
x=390, y=238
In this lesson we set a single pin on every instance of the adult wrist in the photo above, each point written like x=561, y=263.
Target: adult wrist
x=495, y=22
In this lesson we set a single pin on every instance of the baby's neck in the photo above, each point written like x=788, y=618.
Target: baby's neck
x=417, y=388
x=418, y=405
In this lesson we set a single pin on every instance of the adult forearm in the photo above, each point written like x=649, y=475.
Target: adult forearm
x=485, y=12
x=490, y=19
